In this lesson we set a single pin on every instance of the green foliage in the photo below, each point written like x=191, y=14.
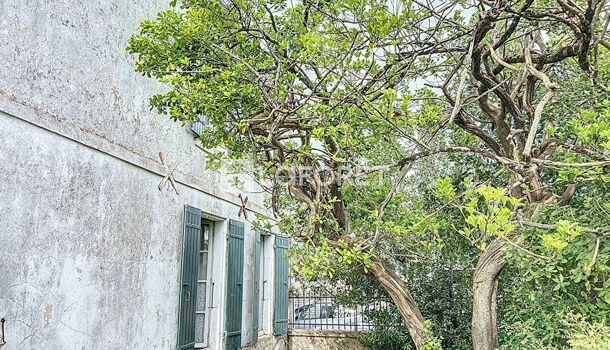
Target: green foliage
x=547, y=298
x=555, y=329
x=430, y=342
x=588, y=336
x=386, y=338
x=336, y=85
x=562, y=234
x=445, y=188
x=488, y=213
x=323, y=259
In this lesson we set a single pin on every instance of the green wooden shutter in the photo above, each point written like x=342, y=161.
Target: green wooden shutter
x=280, y=309
x=188, y=279
x=235, y=270
x=256, y=297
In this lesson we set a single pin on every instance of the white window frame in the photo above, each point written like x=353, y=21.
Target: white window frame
x=208, y=282
x=265, y=323
x=262, y=282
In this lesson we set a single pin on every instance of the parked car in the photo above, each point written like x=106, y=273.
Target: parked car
x=326, y=316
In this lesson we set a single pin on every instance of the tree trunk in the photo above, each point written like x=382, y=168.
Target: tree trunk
x=484, y=289
x=490, y=264
x=402, y=298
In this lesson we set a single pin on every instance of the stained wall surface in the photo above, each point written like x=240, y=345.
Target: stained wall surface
x=90, y=249
x=327, y=340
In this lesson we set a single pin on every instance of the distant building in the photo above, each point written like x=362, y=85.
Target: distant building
x=92, y=254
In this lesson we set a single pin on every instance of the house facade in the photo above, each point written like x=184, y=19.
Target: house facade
x=100, y=248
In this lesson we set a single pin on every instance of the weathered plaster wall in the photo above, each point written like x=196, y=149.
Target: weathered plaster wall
x=67, y=58
x=89, y=251
x=326, y=340
x=269, y=342
x=89, y=247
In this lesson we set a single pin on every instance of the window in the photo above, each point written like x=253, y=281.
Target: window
x=315, y=311
x=193, y=318
x=202, y=125
x=262, y=283
x=260, y=287
x=201, y=314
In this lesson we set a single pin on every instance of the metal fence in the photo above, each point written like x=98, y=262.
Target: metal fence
x=311, y=312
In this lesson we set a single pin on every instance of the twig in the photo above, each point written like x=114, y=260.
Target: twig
x=458, y=97
x=386, y=201
x=525, y=250
x=550, y=86
x=548, y=163
x=597, y=242
x=600, y=231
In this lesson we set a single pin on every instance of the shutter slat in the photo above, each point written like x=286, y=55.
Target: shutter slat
x=188, y=278
x=235, y=261
x=280, y=315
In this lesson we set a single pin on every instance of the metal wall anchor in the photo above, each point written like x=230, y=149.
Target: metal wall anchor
x=2, y=341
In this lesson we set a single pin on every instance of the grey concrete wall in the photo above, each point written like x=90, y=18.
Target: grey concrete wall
x=323, y=340
x=89, y=247
x=89, y=250
x=67, y=59
x=269, y=342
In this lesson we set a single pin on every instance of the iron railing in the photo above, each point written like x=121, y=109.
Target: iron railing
x=313, y=312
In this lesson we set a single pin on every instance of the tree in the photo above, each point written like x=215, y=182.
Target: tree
x=324, y=95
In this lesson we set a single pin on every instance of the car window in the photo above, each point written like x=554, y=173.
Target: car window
x=313, y=312
x=299, y=313
x=328, y=311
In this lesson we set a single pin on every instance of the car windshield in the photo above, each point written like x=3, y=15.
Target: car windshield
x=314, y=311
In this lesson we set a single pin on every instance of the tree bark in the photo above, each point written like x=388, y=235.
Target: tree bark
x=402, y=298
x=484, y=289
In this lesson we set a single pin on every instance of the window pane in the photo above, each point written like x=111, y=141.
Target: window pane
x=203, y=266
x=261, y=284
x=201, y=292
x=199, y=327
x=313, y=312
x=205, y=236
x=260, y=314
